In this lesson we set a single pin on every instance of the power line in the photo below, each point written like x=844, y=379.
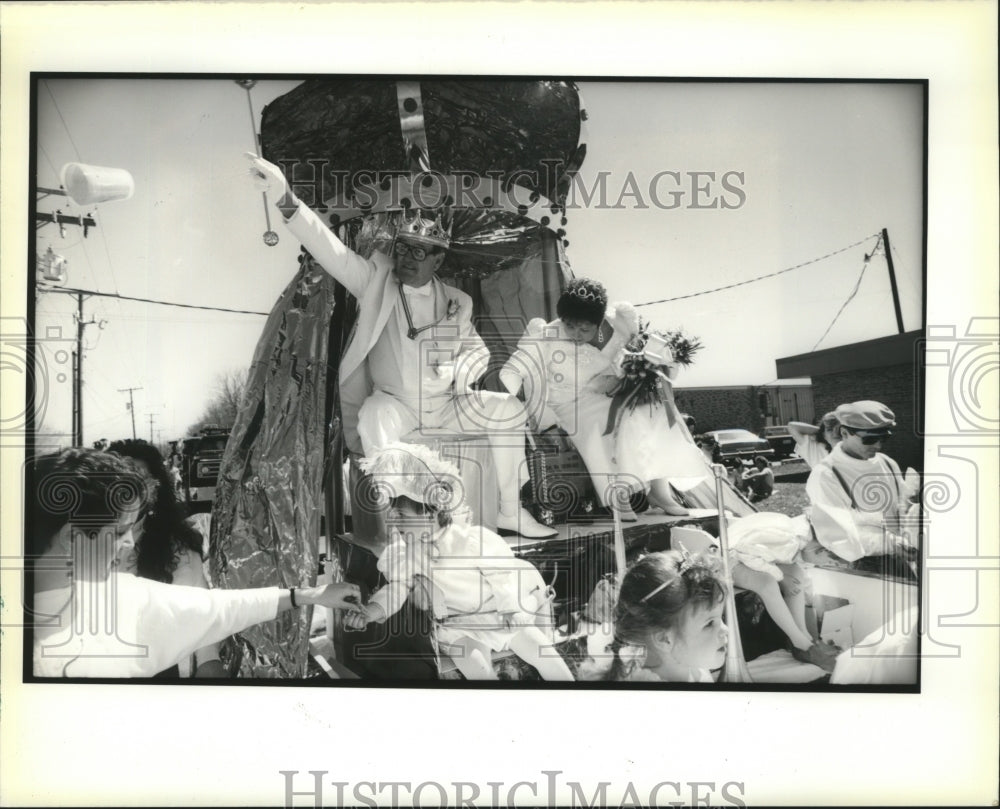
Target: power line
x=59, y=113
x=150, y=300
x=107, y=253
x=761, y=277
x=49, y=161
x=843, y=306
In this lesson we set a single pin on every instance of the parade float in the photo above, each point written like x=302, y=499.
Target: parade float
x=497, y=158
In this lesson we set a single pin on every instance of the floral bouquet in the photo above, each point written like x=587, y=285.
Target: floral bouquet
x=646, y=364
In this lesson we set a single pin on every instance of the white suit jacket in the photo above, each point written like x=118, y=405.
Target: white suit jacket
x=371, y=281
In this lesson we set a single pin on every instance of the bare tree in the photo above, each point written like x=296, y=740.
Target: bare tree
x=222, y=408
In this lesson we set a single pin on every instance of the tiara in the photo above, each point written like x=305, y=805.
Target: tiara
x=582, y=293
x=426, y=231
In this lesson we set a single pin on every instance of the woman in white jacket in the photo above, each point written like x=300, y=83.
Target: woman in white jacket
x=91, y=620
x=571, y=365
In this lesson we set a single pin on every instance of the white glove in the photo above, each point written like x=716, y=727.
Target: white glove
x=911, y=483
x=266, y=176
x=466, y=375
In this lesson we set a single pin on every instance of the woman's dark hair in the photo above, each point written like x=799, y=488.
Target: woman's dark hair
x=583, y=299
x=87, y=487
x=165, y=534
x=656, y=590
x=827, y=422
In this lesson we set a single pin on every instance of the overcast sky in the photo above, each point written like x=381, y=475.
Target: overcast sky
x=818, y=167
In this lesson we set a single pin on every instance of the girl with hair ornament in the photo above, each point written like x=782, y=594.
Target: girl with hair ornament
x=482, y=598
x=668, y=622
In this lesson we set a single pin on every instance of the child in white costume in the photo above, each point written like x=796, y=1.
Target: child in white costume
x=482, y=598
x=764, y=550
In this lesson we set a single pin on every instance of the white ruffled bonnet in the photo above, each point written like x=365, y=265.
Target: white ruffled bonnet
x=416, y=472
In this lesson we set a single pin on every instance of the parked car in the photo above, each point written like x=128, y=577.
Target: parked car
x=780, y=440
x=728, y=446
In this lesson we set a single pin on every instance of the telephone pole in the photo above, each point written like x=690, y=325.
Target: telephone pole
x=151, y=417
x=81, y=326
x=892, y=279
x=131, y=405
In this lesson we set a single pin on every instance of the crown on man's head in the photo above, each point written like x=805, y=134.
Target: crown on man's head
x=433, y=232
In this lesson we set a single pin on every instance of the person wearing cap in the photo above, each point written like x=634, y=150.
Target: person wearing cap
x=857, y=494
x=390, y=382
x=483, y=599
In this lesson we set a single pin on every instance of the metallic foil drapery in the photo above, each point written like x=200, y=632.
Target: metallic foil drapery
x=266, y=517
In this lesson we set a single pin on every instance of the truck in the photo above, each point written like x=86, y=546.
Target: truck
x=201, y=458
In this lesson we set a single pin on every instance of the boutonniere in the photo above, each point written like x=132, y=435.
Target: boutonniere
x=452, y=310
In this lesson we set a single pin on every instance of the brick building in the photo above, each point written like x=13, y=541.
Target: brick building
x=884, y=369
x=720, y=408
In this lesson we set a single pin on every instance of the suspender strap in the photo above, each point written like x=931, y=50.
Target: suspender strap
x=843, y=482
x=894, y=473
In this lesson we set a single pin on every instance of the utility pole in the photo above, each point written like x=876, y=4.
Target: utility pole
x=131, y=405
x=892, y=280
x=81, y=326
x=61, y=219
x=151, y=417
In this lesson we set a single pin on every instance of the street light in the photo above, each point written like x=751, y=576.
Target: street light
x=88, y=185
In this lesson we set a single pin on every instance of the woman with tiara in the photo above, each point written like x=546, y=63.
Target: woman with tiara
x=573, y=365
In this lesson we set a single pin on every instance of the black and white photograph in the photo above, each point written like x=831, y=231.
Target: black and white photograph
x=642, y=340
x=536, y=398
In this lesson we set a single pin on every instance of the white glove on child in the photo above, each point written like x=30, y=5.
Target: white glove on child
x=266, y=176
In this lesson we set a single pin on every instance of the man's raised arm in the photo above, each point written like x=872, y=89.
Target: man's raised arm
x=331, y=253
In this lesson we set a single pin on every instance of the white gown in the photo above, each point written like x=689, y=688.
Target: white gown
x=574, y=380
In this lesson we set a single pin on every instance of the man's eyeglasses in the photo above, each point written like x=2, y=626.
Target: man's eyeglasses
x=419, y=253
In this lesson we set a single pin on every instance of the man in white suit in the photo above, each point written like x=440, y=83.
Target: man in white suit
x=415, y=353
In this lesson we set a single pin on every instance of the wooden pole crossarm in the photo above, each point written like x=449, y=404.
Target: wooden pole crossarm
x=46, y=191
x=63, y=219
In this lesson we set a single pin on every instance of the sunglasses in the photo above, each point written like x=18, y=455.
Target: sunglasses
x=418, y=253
x=871, y=438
